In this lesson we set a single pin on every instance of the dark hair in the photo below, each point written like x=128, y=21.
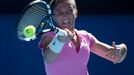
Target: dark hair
x=53, y=3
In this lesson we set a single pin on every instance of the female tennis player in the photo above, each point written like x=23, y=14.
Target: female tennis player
x=69, y=54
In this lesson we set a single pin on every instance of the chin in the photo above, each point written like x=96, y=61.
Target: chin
x=70, y=27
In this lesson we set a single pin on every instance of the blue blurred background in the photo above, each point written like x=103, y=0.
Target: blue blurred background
x=107, y=20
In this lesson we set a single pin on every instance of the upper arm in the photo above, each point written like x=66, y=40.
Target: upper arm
x=45, y=41
x=49, y=56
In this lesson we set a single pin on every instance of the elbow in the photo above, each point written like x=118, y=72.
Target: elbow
x=49, y=60
x=49, y=56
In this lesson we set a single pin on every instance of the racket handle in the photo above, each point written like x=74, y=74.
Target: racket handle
x=60, y=32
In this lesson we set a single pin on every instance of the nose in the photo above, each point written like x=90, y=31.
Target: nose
x=65, y=14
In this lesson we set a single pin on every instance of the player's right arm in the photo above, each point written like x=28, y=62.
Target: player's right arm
x=49, y=55
x=52, y=46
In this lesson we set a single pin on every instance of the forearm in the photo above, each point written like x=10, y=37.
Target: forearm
x=53, y=46
x=101, y=49
x=114, y=53
x=50, y=56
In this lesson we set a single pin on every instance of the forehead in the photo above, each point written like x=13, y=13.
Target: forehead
x=65, y=3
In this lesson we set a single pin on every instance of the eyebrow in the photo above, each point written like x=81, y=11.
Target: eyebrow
x=67, y=7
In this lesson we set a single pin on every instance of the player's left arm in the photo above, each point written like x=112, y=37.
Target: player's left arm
x=114, y=53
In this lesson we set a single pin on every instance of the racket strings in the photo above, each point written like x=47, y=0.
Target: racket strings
x=35, y=13
x=33, y=16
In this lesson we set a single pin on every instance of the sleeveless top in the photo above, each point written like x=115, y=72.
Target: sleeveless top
x=69, y=61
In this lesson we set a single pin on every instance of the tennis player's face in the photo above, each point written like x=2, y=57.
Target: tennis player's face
x=65, y=15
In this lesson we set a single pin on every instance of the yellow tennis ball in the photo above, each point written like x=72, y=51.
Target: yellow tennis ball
x=29, y=31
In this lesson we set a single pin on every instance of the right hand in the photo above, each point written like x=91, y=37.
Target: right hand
x=67, y=37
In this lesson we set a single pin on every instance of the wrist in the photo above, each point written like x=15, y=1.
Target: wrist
x=56, y=45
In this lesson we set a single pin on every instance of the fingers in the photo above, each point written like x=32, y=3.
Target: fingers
x=122, y=52
x=123, y=46
x=114, y=51
x=69, y=35
x=114, y=44
x=110, y=53
x=61, y=32
x=118, y=52
x=123, y=49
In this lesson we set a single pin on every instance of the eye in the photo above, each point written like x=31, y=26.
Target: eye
x=70, y=10
x=58, y=13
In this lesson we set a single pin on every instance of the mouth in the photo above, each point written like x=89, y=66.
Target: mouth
x=66, y=22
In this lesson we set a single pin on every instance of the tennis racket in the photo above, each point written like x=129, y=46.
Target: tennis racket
x=34, y=20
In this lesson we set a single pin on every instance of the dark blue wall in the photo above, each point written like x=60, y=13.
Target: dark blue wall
x=24, y=58
x=106, y=20
x=85, y=6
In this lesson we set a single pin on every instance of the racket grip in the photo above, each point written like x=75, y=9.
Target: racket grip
x=60, y=32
